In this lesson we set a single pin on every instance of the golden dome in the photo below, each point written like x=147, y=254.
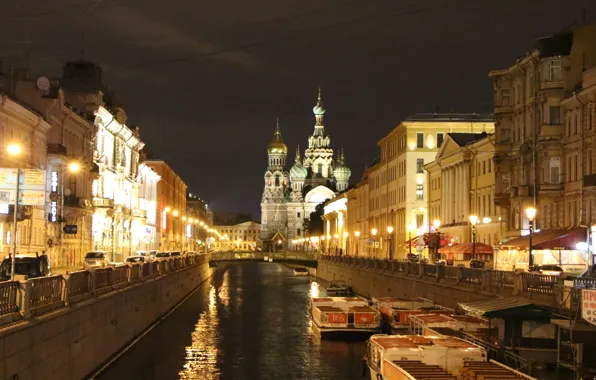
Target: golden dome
x=277, y=143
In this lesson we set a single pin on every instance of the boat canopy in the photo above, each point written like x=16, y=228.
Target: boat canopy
x=505, y=308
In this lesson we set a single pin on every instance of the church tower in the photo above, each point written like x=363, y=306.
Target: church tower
x=319, y=155
x=298, y=174
x=341, y=172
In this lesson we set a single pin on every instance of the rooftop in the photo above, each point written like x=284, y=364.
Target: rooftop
x=463, y=139
x=442, y=117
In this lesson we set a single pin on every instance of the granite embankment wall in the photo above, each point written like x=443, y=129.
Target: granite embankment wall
x=73, y=341
x=371, y=283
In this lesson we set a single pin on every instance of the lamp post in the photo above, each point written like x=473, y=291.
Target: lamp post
x=374, y=234
x=357, y=234
x=390, y=241
x=14, y=150
x=437, y=224
x=346, y=234
x=531, y=214
x=473, y=221
x=410, y=228
x=335, y=237
x=72, y=167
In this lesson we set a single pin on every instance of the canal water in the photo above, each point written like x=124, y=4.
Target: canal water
x=249, y=321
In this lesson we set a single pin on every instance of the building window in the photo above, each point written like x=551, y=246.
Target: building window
x=419, y=140
x=419, y=220
x=298, y=214
x=555, y=115
x=440, y=137
x=277, y=181
x=555, y=170
x=554, y=69
x=483, y=167
x=420, y=165
x=420, y=192
x=505, y=182
x=505, y=98
x=298, y=232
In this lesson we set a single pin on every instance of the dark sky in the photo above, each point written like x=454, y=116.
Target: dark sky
x=206, y=79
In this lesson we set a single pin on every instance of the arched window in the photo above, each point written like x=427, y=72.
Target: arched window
x=277, y=181
x=320, y=169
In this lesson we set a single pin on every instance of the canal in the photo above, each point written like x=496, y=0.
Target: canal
x=248, y=321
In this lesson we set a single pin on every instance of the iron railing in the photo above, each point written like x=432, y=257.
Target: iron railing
x=37, y=296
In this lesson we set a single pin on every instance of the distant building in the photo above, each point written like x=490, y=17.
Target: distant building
x=229, y=218
x=290, y=196
x=398, y=188
x=244, y=236
x=448, y=200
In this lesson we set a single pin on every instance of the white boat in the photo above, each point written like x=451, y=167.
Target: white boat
x=390, y=357
x=338, y=288
x=344, y=315
x=300, y=271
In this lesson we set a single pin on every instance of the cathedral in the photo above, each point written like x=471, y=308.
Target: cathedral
x=290, y=196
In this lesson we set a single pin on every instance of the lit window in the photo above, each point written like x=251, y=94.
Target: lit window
x=420, y=192
x=420, y=165
x=555, y=170
x=555, y=69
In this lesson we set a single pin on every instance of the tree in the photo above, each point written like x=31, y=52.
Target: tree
x=314, y=224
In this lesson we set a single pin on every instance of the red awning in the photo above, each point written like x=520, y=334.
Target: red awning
x=549, y=239
x=468, y=248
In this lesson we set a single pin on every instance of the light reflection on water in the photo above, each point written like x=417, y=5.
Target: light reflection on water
x=249, y=322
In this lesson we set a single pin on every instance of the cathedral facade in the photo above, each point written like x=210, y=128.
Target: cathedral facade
x=290, y=196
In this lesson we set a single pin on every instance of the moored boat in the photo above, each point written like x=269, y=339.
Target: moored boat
x=338, y=288
x=341, y=315
x=388, y=356
x=395, y=312
x=300, y=271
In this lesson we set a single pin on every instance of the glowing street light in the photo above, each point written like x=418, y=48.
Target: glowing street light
x=167, y=209
x=74, y=167
x=14, y=149
x=175, y=213
x=531, y=214
x=473, y=221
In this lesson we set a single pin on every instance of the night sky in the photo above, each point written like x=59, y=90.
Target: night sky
x=205, y=80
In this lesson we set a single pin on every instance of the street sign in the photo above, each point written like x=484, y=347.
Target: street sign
x=32, y=186
x=589, y=305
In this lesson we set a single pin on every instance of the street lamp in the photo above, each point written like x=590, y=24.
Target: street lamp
x=531, y=214
x=390, y=239
x=357, y=233
x=410, y=229
x=473, y=221
x=437, y=224
x=346, y=234
x=374, y=234
x=14, y=150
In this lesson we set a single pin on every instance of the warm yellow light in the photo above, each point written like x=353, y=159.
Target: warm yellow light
x=373, y=232
x=14, y=149
x=336, y=236
x=412, y=146
x=346, y=234
x=531, y=213
x=279, y=241
x=322, y=237
x=390, y=230
x=357, y=233
x=74, y=167
x=239, y=239
x=202, y=223
x=436, y=223
x=184, y=218
x=473, y=219
x=175, y=213
x=196, y=221
x=167, y=209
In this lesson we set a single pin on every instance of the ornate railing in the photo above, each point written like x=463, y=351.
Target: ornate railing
x=33, y=297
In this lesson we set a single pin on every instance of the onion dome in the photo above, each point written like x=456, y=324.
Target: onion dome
x=341, y=171
x=298, y=172
x=319, y=109
x=277, y=143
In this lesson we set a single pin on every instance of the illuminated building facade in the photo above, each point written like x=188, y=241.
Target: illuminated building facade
x=27, y=129
x=398, y=188
x=145, y=237
x=171, y=207
x=69, y=175
x=237, y=237
x=290, y=196
x=116, y=190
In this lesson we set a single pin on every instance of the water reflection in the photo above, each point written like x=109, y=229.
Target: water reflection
x=249, y=322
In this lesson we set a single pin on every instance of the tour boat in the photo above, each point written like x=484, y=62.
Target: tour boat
x=390, y=357
x=395, y=312
x=338, y=315
x=338, y=288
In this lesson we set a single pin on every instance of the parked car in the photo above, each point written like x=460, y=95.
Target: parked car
x=175, y=253
x=96, y=259
x=148, y=255
x=548, y=269
x=162, y=255
x=30, y=265
x=136, y=259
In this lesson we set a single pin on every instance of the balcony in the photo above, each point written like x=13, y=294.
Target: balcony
x=553, y=189
x=103, y=203
x=139, y=213
x=57, y=149
x=502, y=200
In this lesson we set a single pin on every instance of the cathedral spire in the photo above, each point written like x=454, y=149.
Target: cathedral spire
x=277, y=143
x=298, y=158
x=319, y=112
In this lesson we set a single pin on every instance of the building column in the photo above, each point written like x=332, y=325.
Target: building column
x=466, y=193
